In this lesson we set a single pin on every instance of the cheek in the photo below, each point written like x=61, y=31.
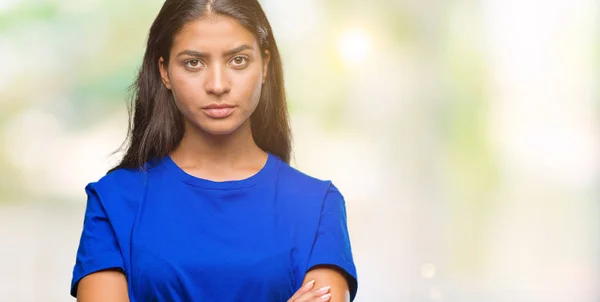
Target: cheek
x=250, y=88
x=186, y=87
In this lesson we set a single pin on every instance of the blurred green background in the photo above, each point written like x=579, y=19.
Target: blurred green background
x=464, y=135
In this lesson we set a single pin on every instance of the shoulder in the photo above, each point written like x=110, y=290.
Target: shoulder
x=299, y=181
x=119, y=188
x=300, y=184
x=122, y=178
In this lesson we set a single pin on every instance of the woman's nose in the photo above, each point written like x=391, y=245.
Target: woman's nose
x=217, y=82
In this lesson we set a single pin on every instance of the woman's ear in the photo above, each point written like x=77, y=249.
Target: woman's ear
x=164, y=74
x=266, y=59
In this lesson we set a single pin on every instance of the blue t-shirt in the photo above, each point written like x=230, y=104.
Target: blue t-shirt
x=182, y=238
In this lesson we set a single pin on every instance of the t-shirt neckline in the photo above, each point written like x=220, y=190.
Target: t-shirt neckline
x=189, y=179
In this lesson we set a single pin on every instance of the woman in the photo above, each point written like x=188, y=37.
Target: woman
x=204, y=206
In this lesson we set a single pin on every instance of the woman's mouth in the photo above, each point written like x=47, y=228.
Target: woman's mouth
x=219, y=111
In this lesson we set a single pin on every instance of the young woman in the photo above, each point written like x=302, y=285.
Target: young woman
x=204, y=206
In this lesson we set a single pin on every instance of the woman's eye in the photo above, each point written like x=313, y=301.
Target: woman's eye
x=194, y=63
x=239, y=60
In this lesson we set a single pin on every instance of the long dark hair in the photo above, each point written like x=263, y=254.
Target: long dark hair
x=155, y=123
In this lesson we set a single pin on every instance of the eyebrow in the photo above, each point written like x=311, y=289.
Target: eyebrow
x=195, y=53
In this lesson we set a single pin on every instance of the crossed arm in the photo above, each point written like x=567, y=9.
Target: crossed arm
x=111, y=285
x=107, y=285
x=327, y=276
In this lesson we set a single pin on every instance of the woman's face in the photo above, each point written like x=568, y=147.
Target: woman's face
x=215, y=72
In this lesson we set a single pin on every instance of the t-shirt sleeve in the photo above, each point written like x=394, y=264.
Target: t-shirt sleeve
x=332, y=242
x=98, y=247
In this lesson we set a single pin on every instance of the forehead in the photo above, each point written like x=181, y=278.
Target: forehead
x=213, y=33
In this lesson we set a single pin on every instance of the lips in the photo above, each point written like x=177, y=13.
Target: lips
x=219, y=111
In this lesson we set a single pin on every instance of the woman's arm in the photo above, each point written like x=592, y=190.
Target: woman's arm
x=329, y=276
x=107, y=285
x=330, y=261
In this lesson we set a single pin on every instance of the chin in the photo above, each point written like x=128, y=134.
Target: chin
x=219, y=127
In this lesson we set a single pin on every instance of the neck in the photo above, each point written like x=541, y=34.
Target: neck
x=200, y=149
